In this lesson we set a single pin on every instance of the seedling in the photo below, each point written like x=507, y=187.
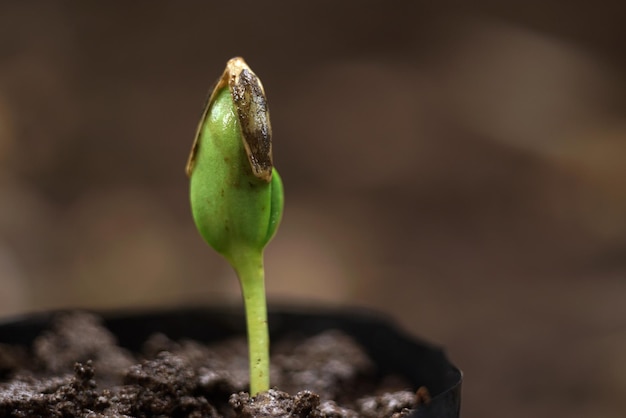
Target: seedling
x=237, y=194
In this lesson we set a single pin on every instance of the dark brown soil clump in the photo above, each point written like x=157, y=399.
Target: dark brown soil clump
x=76, y=369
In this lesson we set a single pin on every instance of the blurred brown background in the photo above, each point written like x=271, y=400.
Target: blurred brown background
x=458, y=167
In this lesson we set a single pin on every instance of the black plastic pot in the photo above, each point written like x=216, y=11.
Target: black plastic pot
x=393, y=351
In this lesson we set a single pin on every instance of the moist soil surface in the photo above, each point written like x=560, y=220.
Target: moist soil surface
x=76, y=369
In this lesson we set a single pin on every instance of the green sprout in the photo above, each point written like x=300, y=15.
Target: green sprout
x=237, y=194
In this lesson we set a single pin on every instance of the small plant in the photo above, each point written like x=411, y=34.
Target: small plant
x=237, y=194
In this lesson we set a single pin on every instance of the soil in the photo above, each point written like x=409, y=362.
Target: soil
x=76, y=369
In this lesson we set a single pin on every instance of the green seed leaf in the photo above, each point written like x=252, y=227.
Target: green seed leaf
x=236, y=193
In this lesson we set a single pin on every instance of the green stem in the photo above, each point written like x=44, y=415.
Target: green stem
x=251, y=274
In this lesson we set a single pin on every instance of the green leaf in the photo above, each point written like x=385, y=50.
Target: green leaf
x=236, y=194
